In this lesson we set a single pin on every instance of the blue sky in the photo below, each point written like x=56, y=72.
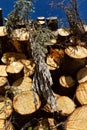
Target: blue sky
x=42, y=8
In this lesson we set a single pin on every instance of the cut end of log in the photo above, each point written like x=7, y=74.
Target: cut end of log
x=81, y=93
x=3, y=31
x=64, y=32
x=65, y=105
x=14, y=67
x=10, y=57
x=78, y=119
x=22, y=85
x=76, y=52
x=20, y=34
x=3, y=70
x=29, y=66
x=24, y=103
x=5, y=107
x=52, y=65
x=3, y=81
x=54, y=59
x=82, y=75
x=5, y=125
x=66, y=81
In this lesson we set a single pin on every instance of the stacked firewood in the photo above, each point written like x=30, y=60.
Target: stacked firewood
x=68, y=67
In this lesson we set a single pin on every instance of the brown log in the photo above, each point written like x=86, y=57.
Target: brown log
x=54, y=59
x=3, y=70
x=6, y=125
x=82, y=75
x=20, y=34
x=3, y=82
x=77, y=120
x=14, y=67
x=64, y=32
x=17, y=45
x=29, y=66
x=10, y=57
x=24, y=103
x=22, y=85
x=70, y=66
x=65, y=105
x=5, y=107
x=47, y=107
x=66, y=86
x=3, y=31
x=76, y=52
x=81, y=93
x=66, y=81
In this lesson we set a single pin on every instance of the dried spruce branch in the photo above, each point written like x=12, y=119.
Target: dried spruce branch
x=42, y=80
x=71, y=10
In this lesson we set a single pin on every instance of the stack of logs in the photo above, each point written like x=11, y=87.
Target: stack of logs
x=68, y=68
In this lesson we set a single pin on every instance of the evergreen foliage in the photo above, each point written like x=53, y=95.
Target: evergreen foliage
x=42, y=80
x=20, y=15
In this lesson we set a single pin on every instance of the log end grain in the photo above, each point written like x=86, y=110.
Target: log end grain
x=5, y=107
x=76, y=52
x=14, y=67
x=3, y=31
x=82, y=75
x=81, y=93
x=78, y=119
x=22, y=85
x=65, y=105
x=66, y=81
x=5, y=125
x=24, y=103
x=10, y=57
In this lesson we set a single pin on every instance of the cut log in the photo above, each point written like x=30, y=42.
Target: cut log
x=22, y=85
x=6, y=125
x=82, y=75
x=70, y=66
x=76, y=52
x=19, y=39
x=78, y=119
x=52, y=65
x=14, y=67
x=20, y=34
x=10, y=57
x=81, y=93
x=3, y=70
x=17, y=46
x=54, y=59
x=47, y=107
x=66, y=81
x=24, y=103
x=3, y=82
x=29, y=66
x=65, y=105
x=52, y=23
x=3, y=31
x=66, y=85
x=64, y=32
x=5, y=107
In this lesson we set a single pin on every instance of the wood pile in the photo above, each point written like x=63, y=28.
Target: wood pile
x=68, y=68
